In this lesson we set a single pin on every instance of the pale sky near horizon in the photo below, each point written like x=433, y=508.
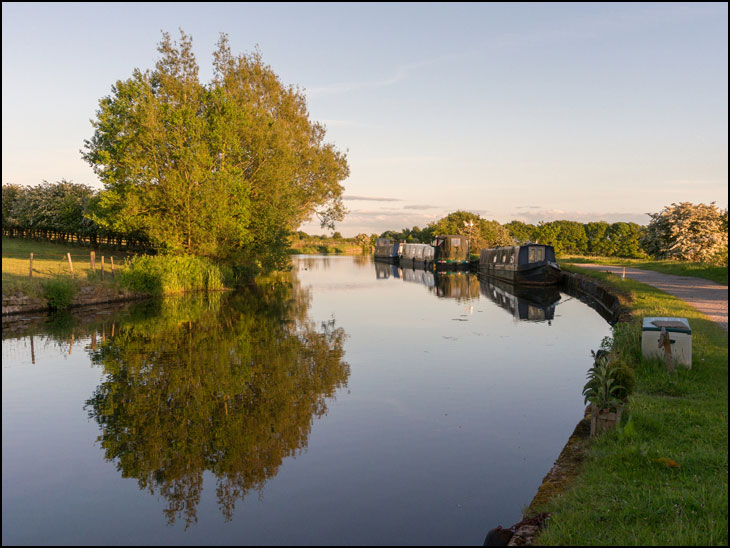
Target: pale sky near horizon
x=513, y=111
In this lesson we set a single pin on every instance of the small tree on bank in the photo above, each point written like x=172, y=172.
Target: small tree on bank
x=688, y=232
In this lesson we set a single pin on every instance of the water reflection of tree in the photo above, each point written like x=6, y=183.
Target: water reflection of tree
x=230, y=385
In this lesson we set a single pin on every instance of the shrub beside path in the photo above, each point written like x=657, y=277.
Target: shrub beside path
x=708, y=297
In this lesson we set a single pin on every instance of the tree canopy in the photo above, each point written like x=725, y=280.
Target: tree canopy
x=227, y=169
x=689, y=232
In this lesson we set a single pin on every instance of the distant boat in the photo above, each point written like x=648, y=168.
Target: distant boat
x=451, y=252
x=416, y=256
x=386, y=250
x=532, y=264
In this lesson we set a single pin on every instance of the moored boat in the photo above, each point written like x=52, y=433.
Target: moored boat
x=416, y=256
x=532, y=264
x=386, y=250
x=451, y=252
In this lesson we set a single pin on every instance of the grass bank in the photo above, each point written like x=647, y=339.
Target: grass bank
x=52, y=279
x=50, y=266
x=699, y=270
x=663, y=481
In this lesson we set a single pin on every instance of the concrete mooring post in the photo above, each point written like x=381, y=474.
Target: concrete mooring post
x=30, y=273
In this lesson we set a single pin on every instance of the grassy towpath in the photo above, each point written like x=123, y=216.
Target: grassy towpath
x=708, y=297
x=664, y=481
x=717, y=274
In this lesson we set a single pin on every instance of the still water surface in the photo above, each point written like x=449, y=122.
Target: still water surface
x=355, y=404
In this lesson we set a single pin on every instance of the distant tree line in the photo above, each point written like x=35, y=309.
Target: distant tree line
x=685, y=231
x=63, y=211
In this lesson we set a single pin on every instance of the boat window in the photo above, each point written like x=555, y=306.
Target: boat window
x=504, y=258
x=456, y=242
x=494, y=258
x=539, y=254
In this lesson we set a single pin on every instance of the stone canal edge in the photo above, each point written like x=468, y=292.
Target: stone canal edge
x=706, y=296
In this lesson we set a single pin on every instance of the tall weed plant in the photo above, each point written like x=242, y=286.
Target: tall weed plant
x=59, y=292
x=165, y=274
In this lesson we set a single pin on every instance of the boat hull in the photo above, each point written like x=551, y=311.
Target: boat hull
x=534, y=274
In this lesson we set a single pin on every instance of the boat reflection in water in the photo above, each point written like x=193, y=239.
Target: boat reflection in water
x=418, y=276
x=447, y=285
x=383, y=271
x=457, y=285
x=525, y=303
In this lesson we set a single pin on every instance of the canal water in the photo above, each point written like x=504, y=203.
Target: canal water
x=348, y=402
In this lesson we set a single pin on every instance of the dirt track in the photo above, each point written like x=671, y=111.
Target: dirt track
x=708, y=297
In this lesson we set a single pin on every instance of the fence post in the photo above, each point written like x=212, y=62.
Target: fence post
x=112, y=261
x=70, y=264
x=30, y=274
x=93, y=262
x=102, y=267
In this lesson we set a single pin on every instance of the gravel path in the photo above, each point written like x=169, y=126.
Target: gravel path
x=708, y=297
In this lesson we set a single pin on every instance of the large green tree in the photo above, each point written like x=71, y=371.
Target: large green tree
x=481, y=232
x=226, y=169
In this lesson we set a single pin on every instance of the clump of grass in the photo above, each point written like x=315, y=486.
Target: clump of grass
x=165, y=274
x=59, y=292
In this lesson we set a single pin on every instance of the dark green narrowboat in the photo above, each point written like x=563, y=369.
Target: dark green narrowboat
x=451, y=252
x=532, y=264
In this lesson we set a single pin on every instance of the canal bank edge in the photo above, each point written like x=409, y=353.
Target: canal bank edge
x=19, y=303
x=613, y=306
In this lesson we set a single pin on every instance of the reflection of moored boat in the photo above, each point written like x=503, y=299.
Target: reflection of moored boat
x=457, y=285
x=386, y=250
x=536, y=304
x=420, y=276
x=384, y=271
x=416, y=256
x=525, y=264
x=451, y=252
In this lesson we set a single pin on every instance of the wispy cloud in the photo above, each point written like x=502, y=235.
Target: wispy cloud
x=400, y=74
x=420, y=206
x=371, y=199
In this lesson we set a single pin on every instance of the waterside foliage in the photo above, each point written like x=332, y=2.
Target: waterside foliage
x=666, y=483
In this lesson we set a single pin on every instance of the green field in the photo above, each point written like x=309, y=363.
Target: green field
x=666, y=483
x=49, y=262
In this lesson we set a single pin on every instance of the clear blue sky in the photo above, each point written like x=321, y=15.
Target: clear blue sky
x=513, y=111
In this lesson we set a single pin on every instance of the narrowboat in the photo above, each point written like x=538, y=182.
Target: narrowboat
x=386, y=250
x=451, y=252
x=532, y=264
x=416, y=256
x=524, y=303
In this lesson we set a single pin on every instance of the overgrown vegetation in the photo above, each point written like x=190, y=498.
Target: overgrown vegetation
x=59, y=292
x=661, y=478
x=166, y=274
